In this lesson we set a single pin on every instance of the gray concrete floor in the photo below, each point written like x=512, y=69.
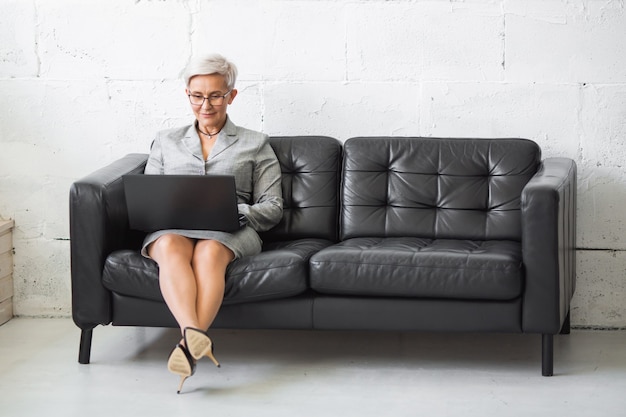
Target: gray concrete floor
x=309, y=373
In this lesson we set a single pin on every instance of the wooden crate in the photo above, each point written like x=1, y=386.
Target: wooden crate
x=6, y=270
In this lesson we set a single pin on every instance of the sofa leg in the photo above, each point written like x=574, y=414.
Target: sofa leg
x=565, y=329
x=84, y=350
x=547, y=354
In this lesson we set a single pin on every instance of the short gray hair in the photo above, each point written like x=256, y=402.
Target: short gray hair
x=211, y=64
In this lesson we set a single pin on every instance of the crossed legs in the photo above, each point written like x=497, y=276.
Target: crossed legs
x=191, y=277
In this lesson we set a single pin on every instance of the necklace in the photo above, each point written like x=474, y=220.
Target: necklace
x=210, y=135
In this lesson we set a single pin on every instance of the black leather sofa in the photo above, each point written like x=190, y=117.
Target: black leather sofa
x=378, y=233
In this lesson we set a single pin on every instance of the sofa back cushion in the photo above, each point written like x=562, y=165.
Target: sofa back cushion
x=311, y=167
x=435, y=188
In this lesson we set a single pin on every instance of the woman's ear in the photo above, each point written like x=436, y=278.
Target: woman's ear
x=232, y=96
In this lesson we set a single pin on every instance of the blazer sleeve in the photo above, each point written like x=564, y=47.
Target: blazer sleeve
x=266, y=209
x=154, y=166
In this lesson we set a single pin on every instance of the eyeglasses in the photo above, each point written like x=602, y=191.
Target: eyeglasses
x=214, y=100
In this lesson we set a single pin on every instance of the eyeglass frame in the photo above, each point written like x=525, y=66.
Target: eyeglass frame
x=210, y=98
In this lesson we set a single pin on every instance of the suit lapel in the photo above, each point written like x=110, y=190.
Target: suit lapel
x=192, y=142
x=226, y=138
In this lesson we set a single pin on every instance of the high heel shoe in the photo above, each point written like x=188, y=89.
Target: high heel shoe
x=199, y=344
x=181, y=363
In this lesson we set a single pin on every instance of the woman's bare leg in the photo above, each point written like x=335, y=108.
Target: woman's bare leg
x=177, y=280
x=209, y=262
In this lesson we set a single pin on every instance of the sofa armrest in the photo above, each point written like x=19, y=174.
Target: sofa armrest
x=548, y=207
x=98, y=225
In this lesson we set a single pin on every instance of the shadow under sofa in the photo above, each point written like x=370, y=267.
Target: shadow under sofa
x=378, y=233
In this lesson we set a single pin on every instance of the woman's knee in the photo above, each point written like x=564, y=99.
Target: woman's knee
x=212, y=251
x=171, y=246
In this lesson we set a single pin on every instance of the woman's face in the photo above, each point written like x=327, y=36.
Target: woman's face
x=211, y=114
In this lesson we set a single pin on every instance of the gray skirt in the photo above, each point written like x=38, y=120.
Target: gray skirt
x=243, y=242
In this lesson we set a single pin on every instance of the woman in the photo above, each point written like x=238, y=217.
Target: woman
x=192, y=263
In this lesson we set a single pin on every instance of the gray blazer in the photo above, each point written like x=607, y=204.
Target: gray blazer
x=244, y=153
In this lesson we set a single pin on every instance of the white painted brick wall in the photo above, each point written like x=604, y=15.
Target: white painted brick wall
x=546, y=113
x=275, y=40
x=117, y=39
x=413, y=41
x=18, y=47
x=565, y=42
x=342, y=110
x=85, y=82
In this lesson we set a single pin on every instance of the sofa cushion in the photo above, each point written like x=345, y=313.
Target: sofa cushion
x=435, y=188
x=279, y=271
x=423, y=268
x=310, y=167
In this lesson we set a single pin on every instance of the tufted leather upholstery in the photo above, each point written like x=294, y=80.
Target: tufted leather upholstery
x=310, y=176
x=435, y=188
x=383, y=233
x=429, y=218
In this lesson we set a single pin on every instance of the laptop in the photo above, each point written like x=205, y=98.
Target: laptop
x=192, y=202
